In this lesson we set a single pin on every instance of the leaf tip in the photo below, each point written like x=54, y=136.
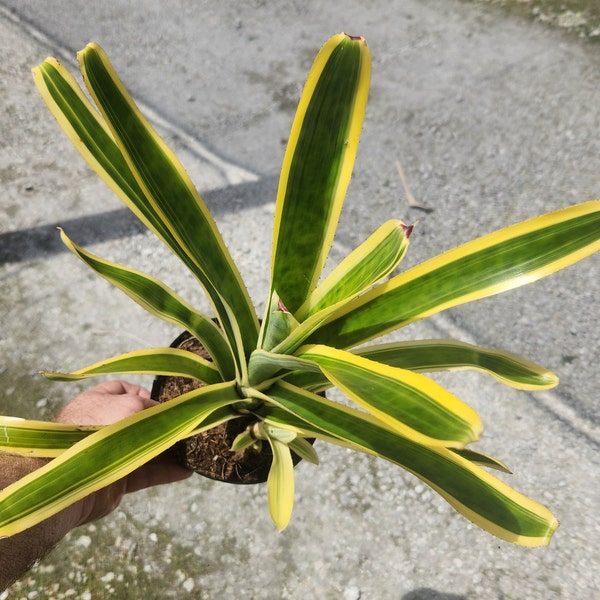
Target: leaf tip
x=356, y=38
x=408, y=229
x=281, y=307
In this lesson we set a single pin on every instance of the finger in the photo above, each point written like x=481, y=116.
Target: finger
x=159, y=471
x=97, y=408
x=113, y=387
x=137, y=390
x=118, y=386
x=147, y=402
x=101, y=503
x=110, y=409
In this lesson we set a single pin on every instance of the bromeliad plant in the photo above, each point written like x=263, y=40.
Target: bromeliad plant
x=312, y=333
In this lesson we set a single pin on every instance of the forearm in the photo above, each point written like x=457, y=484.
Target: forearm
x=102, y=405
x=19, y=552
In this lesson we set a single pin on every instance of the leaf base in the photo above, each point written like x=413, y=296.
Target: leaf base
x=209, y=452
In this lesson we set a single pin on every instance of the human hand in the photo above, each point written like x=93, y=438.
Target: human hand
x=102, y=405
x=105, y=404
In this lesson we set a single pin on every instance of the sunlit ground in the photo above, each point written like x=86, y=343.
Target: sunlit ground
x=580, y=17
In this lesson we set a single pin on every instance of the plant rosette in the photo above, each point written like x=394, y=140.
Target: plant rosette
x=209, y=453
x=269, y=375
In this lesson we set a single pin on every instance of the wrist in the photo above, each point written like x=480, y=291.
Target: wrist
x=19, y=552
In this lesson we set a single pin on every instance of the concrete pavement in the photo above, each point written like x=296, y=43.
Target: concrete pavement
x=494, y=120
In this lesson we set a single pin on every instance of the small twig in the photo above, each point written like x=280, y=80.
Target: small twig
x=410, y=199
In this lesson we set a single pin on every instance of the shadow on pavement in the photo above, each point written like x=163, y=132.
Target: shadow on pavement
x=44, y=241
x=429, y=594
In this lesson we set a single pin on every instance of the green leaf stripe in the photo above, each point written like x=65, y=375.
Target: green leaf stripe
x=170, y=190
x=495, y=263
x=278, y=323
x=38, y=438
x=151, y=361
x=93, y=140
x=406, y=402
x=265, y=365
x=482, y=498
x=427, y=356
x=91, y=137
x=365, y=266
x=106, y=456
x=482, y=459
x=161, y=301
x=441, y=355
x=317, y=166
